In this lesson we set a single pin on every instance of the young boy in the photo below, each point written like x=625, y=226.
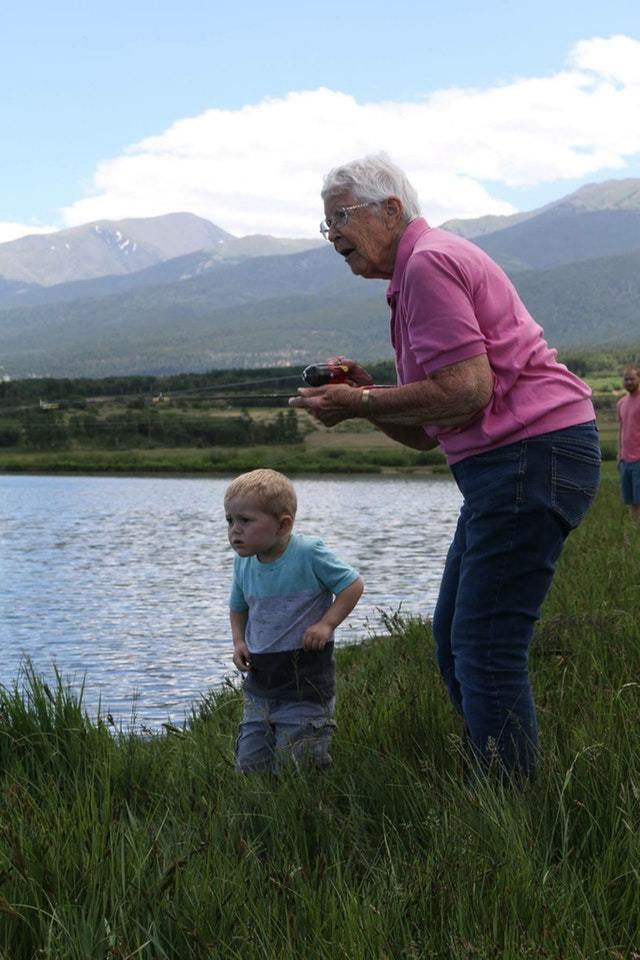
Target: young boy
x=288, y=595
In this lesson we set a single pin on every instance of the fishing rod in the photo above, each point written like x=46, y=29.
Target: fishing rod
x=314, y=375
x=198, y=392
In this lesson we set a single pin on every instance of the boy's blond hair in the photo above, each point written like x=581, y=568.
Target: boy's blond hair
x=272, y=491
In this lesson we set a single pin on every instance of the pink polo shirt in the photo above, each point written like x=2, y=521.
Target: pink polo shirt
x=629, y=421
x=450, y=302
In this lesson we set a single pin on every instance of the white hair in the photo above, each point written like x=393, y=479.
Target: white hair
x=374, y=177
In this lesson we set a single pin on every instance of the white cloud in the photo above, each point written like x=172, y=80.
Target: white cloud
x=616, y=58
x=13, y=231
x=260, y=168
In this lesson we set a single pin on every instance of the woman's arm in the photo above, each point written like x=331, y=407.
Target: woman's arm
x=409, y=436
x=450, y=396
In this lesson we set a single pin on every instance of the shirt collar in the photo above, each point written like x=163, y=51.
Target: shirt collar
x=408, y=240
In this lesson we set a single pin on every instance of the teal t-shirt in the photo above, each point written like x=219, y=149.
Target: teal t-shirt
x=283, y=598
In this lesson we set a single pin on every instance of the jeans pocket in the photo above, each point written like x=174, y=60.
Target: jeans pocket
x=575, y=473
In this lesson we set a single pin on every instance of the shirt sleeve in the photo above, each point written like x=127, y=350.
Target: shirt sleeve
x=440, y=313
x=237, y=601
x=333, y=573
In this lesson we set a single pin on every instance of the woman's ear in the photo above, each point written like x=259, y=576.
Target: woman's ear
x=392, y=209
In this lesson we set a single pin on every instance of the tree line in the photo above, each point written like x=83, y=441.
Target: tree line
x=54, y=429
x=246, y=381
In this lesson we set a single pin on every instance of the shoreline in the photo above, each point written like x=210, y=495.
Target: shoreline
x=214, y=474
x=295, y=461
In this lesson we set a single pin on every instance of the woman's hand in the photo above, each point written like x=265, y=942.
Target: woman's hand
x=331, y=404
x=357, y=375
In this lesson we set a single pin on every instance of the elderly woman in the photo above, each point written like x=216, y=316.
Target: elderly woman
x=476, y=377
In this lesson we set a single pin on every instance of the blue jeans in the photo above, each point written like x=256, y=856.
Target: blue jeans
x=520, y=502
x=276, y=733
x=629, y=473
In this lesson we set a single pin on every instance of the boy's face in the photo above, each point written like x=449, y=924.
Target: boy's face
x=253, y=532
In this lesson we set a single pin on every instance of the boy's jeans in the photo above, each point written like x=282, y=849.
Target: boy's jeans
x=274, y=733
x=520, y=502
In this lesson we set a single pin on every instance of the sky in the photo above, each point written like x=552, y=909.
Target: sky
x=235, y=111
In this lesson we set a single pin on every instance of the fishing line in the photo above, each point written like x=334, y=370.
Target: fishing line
x=194, y=392
x=313, y=375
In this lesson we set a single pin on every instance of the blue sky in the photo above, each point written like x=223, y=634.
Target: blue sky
x=234, y=111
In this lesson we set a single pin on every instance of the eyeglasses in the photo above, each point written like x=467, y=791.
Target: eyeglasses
x=340, y=217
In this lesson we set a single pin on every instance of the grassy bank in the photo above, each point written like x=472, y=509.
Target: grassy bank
x=292, y=460
x=118, y=847
x=322, y=452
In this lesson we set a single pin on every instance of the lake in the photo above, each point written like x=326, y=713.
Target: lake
x=123, y=581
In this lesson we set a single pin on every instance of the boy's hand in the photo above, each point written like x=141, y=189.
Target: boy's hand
x=241, y=656
x=316, y=636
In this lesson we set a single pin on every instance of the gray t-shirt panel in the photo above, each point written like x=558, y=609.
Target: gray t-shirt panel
x=283, y=598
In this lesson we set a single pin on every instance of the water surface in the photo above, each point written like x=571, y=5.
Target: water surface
x=123, y=581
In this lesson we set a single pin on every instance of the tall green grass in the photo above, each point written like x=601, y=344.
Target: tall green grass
x=118, y=846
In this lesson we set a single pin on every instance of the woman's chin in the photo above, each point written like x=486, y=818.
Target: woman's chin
x=357, y=264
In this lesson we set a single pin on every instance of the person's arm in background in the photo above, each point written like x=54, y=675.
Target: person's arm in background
x=619, y=419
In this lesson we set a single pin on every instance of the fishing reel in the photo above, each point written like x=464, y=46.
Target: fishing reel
x=319, y=374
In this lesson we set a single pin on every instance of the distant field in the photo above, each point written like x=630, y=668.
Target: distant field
x=352, y=447
x=138, y=424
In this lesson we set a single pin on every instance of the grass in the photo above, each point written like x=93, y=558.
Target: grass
x=119, y=846
x=293, y=460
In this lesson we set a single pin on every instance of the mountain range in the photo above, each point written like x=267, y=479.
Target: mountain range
x=177, y=293
x=598, y=220
x=126, y=247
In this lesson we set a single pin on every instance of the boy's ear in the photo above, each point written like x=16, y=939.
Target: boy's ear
x=286, y=524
